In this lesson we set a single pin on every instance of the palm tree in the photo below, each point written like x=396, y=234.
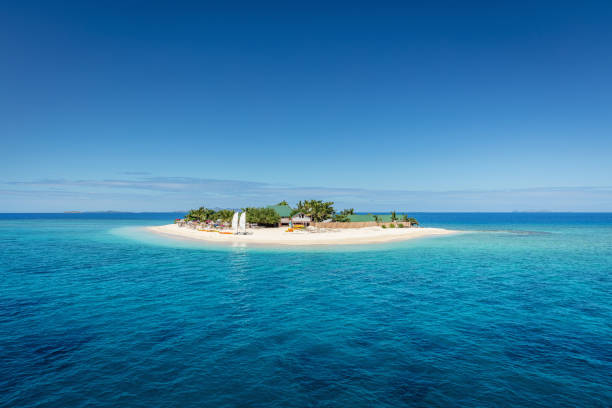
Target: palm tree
x=317, y=210
x=321, y=210
x=343, y=216
x=223, y=215
x=393, y=216
x=198, y=214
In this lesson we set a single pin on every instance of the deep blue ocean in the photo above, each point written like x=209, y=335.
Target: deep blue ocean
x=96, y=312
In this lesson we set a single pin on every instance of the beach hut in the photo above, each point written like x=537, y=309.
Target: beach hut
x=284, y=211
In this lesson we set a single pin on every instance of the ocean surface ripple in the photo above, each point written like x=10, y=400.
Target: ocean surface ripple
x=94, y=312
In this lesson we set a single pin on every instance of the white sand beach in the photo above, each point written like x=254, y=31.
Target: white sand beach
x=280, y=236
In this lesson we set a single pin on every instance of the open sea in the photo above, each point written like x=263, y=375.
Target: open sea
x=96, y=312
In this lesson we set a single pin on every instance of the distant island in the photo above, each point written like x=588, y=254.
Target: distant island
x=309, y=222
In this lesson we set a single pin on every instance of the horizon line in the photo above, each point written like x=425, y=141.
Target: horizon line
x=357, y=212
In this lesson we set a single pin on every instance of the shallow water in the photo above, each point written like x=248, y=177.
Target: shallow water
x=96, y=312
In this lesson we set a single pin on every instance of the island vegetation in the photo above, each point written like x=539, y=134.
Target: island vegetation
x=254, y=215
x=317, y=210
x=262, y=216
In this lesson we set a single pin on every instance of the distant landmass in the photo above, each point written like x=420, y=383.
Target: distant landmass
x=123, y=212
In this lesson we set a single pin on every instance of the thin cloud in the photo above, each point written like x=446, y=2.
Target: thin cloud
x=135, y=173
x=136, y=193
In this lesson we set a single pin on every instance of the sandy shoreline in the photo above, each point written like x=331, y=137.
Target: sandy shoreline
x=279, y=236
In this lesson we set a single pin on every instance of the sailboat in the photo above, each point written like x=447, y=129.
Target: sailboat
x=235, y=223
x=242, y=222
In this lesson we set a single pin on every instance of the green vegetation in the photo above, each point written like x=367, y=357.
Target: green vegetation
x=317, y=210
x=400, y=225
x=407, y=220
x=262, y=216
x=200, y=214
x=391, y=225
x=224, y=215
x=383, y=226
x=343, y=216
x=206, y=214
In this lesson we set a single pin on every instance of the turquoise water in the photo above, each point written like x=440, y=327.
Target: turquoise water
x=96, y=312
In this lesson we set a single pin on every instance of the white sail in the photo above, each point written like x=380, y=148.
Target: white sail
x=235, y=223
x=243, y=222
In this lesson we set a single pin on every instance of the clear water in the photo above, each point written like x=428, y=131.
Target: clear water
x=96, y=312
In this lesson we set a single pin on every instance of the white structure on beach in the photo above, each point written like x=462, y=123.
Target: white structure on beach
x=242, y=222
x=284, y=212
x=235, y=223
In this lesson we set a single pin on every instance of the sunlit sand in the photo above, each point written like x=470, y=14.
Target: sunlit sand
x=280, y=236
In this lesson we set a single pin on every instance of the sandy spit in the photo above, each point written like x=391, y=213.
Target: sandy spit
x=280, y=236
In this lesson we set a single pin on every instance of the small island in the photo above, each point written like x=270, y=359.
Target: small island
x=309, y=222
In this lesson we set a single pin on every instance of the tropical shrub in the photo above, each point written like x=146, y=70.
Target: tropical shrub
x=383, y=226
x=223, y=215
x=400, y=225
x=343, y=216
x=391, y=225
x=205, y=214
x=262, y=216
x=200, y=214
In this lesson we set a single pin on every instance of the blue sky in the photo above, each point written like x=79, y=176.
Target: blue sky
x=453, y=106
